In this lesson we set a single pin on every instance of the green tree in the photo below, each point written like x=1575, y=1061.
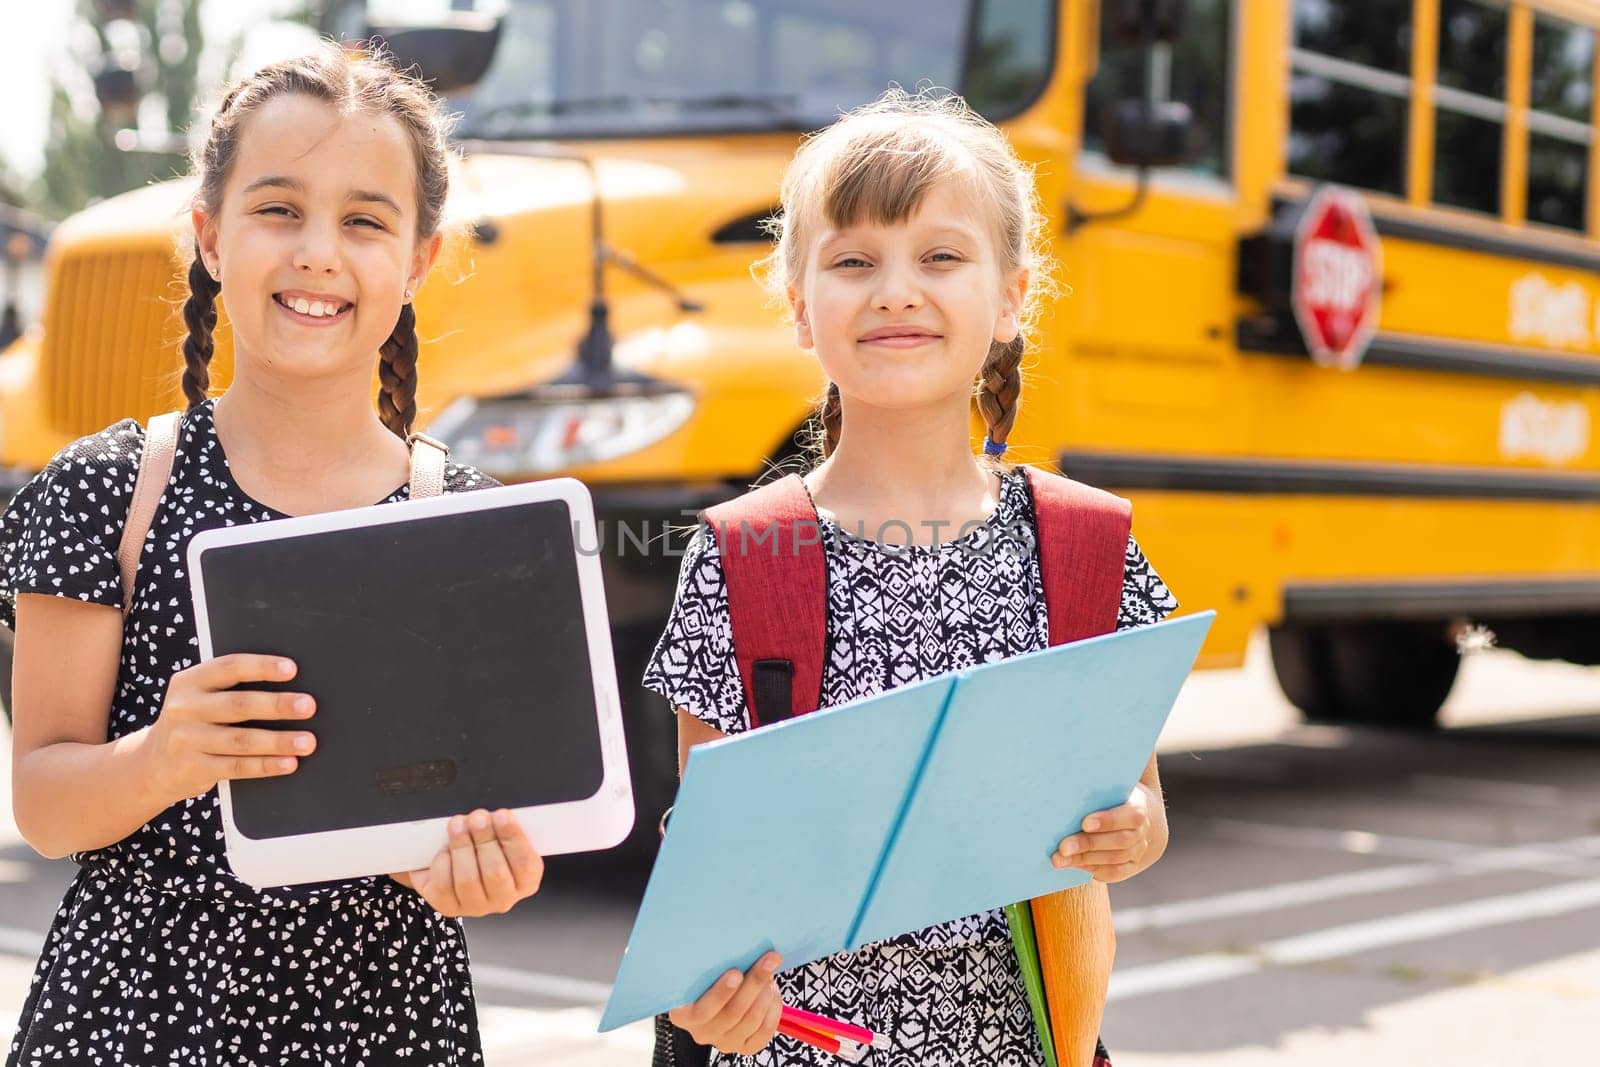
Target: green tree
x=82, y=159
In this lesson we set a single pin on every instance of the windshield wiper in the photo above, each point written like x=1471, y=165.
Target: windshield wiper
x=523, y=109
x=780, y=105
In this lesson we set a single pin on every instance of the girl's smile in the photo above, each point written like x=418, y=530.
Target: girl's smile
x=312, y=309
x=900, y=337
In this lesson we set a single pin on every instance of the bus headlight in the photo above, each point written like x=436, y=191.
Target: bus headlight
x=522, y=436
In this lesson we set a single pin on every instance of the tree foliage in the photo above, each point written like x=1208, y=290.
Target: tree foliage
x=82, y=160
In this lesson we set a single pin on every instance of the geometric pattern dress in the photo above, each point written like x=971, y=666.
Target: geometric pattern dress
x=158, y=954
x=951, y=994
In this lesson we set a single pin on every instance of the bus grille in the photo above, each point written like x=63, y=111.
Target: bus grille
x=113, y=327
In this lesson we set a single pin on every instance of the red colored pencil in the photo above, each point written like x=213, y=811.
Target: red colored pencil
x=859, y=1034
x=814, y=1038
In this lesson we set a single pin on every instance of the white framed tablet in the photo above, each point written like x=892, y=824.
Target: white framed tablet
x=460, y=654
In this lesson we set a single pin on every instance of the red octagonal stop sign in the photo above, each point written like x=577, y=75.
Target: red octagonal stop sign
x=1338, y=274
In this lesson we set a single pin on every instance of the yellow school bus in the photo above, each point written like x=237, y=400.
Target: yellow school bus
x=1361, y=484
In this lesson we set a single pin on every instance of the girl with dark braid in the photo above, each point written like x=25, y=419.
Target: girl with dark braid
x=317, y=216
x=909, y=251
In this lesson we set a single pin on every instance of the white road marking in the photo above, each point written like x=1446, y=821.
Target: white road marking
x=1564, y=857
x=516, y=1029
x=15, y=941
x=555, y=986
x=1352, y=938
x=1361, y=842
x=1558, y=855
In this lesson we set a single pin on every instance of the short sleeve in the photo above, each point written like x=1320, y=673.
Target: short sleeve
x=460, y=478
x=1145, y=597
x=693, y=665
x=59, y=534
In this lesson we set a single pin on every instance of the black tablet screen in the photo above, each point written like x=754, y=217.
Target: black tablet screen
x=447, y=655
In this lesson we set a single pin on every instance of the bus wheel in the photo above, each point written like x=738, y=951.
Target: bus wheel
x=1394, y=674
x=1303, y=661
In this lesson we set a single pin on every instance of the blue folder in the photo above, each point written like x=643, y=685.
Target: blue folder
x=885, y=815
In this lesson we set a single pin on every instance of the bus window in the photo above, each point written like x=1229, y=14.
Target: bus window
x=1349, y=87
x=637, y=68
x=1469, y=105
x=1009, y=60
x=1195, y=70
x=1559, y=123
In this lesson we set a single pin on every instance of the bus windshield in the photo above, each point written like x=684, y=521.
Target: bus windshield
x=617, y=68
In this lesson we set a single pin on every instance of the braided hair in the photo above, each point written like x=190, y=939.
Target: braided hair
x=348, y=81
x=397, y=372
x=999, y=388
x=200, y=317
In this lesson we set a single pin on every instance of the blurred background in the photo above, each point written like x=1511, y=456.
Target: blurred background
x=1327, y=314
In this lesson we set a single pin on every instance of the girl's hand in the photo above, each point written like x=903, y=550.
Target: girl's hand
x=1114, y=843
x=487, y=866
x=197, y=740
x=738, y=1015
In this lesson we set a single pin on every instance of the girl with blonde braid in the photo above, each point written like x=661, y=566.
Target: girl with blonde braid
x=909, y=252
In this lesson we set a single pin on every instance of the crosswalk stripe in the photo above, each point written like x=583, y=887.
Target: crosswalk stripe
x=1352, y=938
x=1567, y=857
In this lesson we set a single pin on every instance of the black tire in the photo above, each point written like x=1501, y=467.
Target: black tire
x=1397, y=675
x=1303, y=661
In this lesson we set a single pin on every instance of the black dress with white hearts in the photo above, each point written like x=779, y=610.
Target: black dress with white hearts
x=158, y=953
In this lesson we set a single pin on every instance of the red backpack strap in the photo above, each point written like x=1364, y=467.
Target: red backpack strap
x=770, y=542
x=1083, y=551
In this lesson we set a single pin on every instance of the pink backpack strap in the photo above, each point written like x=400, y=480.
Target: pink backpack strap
x=155, y=470
x=770, y=542
x=1083, y=547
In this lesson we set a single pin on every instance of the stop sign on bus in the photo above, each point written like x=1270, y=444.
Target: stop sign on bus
x=1338, y=278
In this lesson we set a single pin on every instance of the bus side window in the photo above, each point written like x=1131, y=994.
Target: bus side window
x=1008, y=60
x=1350, y=82
x=1195, y=70
x=1560, y=123
x=1469, y=105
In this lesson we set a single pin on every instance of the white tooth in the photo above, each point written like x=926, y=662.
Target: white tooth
x=302, y=305
x=316, y=309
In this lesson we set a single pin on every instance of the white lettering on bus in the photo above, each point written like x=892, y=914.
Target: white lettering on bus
x=1549, y=314
x=1547, y=430
x=1338, y=277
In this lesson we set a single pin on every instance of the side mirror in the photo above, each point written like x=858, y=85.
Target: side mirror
x=450, y=55
x=1134, y=22
x=1148, y=134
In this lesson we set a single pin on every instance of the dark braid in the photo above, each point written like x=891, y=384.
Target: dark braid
x=397, y=370
x=830, y=419
x=999, y=387
x=200, y=316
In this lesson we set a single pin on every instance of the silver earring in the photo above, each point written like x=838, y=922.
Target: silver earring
x=408, y=296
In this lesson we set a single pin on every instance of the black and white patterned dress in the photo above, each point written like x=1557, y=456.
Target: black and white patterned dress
x=950, y=995
x=158, y=953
